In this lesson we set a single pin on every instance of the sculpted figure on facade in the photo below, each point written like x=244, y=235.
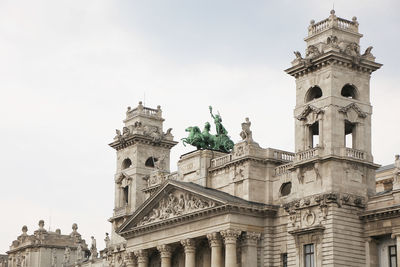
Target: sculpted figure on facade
x=246, y=133
x=174, y=205
x=79, y=253
x=93, y=248
x=107, y=240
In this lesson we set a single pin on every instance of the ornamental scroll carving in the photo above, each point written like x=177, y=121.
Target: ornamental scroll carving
x=174, y=205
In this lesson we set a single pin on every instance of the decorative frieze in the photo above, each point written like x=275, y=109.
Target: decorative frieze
x=176, y=204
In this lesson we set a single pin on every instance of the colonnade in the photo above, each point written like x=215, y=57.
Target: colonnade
x=217, y=240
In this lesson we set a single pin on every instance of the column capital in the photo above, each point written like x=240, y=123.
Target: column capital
x=250, y=238
x=165, y=251
x=142, y=255
x=215, y=239
x=189, y=245
x=230, y=235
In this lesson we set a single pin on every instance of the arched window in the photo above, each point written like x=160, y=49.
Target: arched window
x=349, y=91
x=313, y=93
x=286, y=188
x=150, y=162
x=126, y=163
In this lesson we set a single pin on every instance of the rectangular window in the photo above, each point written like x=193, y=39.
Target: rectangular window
x=284, y=259
x=126, y=195
x=393, y=256
x=309, y=255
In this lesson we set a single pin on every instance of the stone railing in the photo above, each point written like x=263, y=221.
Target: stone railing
x=308, y=154
x=318, y=27
x=142, y=110
x=283, y=169
x=221, y=160
x=333, y=21
x=283, y=155
x=354, y=153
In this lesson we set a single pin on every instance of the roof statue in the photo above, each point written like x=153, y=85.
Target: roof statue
x=204, y=140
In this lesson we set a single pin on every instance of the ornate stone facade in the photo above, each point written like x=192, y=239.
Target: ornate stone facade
x=326, y=204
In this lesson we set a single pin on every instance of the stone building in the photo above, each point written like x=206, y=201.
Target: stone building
x=46, y=248
x=326, y=204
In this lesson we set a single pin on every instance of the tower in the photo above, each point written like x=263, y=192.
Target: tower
x=142, y=149
x=333, y=110
x=333, y=170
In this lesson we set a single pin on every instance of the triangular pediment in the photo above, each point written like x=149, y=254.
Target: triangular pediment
x=352, y=111
x=310, y=113
x=173, y=200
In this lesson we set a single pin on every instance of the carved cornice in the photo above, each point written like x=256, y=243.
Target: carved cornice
x=380, y=214
x=141, y=139
x=361, y=64
x=322, y=200
x=356, y=108
x=308, y=230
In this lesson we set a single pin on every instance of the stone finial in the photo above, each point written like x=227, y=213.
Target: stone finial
x=140, y=106
x=396, y=157
x=354, y=19
x=41, y=224
x=332, y=12
x=58, y=231
x=74, y=227
x=24, y=230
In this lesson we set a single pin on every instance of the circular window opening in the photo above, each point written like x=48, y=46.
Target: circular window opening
x=150, y=162
x=126, y=163
x=313, y=93
x=349, y=91
x=286, y=188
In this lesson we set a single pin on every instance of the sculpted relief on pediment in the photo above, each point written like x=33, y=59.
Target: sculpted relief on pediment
x=175, y=204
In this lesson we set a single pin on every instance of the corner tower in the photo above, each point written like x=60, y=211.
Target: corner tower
x=142, y=148
x=333, y=110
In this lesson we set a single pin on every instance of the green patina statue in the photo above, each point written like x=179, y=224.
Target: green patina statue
x=205, y=140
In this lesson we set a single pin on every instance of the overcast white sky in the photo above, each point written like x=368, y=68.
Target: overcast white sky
x=69, y=69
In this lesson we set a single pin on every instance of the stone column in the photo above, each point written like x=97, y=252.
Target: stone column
x=216, y=249
x=249, y=248
x=230, y=236
x=142, y=258
x=190, y=252
x=166, y=254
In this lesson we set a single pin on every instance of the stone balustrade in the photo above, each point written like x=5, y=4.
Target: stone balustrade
x=269, y=153
x=221, y=160
x=223, y=245
x=141, y=110
x=354, y=153
x=283, y=169
x=282, y=155
x=331, y=22
x=308, y=154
